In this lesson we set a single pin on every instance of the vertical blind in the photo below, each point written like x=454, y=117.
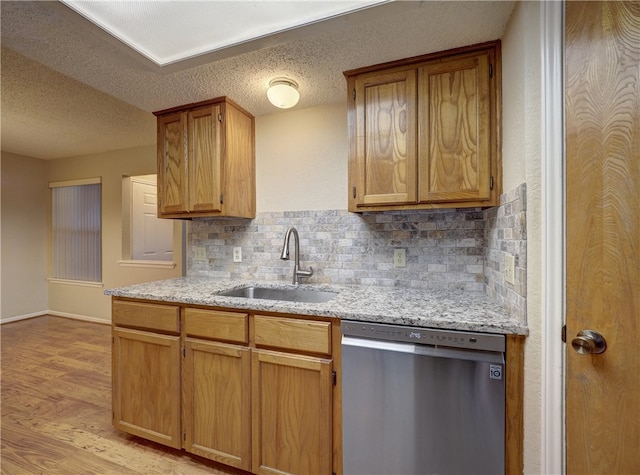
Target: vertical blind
x=76, y=252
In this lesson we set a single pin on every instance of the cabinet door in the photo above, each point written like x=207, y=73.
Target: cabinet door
x=384, y=171
x=172, y=164
x=291, y=414
x=146, y=385
x=205, y=159
x=217, y=398
x=455, y=130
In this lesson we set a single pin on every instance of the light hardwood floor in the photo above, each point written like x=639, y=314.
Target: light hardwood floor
x=56, y=406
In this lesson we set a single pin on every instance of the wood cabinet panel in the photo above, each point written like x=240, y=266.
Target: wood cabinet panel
x=514, y=406
x=217, y=325
x=216, y=401
x=146, y=385
x=146, y=315
x=455, y=130
x=205, y=150
x=292, y=414
x=293, y=334
x=172, y=164
x=386, y=156
x=239, y=165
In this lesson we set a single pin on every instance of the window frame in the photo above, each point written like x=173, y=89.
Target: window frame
x=52, y=277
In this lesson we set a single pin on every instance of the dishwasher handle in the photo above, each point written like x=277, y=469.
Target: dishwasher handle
x=494, y=357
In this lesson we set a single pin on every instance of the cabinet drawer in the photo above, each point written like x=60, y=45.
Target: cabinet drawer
x=147, y=315
x=293, y=334
x=227, y=326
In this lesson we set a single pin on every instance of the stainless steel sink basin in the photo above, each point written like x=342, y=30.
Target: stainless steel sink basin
x=290, y=295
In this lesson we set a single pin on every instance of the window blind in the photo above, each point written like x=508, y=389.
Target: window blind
x=76, y=244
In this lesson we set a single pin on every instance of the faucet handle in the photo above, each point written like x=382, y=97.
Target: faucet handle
x=305, y=273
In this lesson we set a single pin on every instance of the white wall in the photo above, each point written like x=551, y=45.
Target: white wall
x=522, y=125
x=24, y=237
x=301, y=159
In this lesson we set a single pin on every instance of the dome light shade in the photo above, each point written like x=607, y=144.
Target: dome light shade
x=283, y=93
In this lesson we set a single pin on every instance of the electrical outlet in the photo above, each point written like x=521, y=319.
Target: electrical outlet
x=509, y=269
x=237, y=254
x=199, y=253
x=399, y=258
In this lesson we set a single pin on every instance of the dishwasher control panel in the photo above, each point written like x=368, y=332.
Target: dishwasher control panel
x=424, y=336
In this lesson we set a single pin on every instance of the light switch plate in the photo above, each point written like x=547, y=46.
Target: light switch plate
x=509, y=269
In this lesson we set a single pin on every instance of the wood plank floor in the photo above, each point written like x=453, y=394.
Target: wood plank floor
x=56, y=406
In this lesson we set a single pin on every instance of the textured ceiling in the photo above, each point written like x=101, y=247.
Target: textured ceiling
x=68, y=89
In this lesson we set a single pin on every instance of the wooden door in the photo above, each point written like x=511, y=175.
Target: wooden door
x=603, y=235
x=146, y=385
x=455, y=130
x=384, y=170
x=217, y=399
x=292, y=414
x=172, y=164
x=205, y=149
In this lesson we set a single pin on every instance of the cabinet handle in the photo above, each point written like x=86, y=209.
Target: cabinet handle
x=354, y=191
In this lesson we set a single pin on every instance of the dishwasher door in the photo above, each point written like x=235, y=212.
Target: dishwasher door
x=411, y=409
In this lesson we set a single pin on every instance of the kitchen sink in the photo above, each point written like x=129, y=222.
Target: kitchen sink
x=289, y=295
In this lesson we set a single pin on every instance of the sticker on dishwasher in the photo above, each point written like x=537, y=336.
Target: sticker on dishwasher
x=495, y=371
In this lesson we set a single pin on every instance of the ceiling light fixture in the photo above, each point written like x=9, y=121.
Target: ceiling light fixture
x=283, y=93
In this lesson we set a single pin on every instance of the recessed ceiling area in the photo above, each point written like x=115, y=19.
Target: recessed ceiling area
x=142, y=25
x=69, y=88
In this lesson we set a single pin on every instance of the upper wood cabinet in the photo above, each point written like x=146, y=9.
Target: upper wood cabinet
x=424, y=132
x=206, y=161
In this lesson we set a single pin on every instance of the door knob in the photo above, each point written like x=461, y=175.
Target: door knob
x=589, y=342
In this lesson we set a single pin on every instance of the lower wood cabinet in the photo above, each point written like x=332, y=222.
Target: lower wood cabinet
x=292, y=413
x=146, y=381
x=255, y=392
x=216, y=402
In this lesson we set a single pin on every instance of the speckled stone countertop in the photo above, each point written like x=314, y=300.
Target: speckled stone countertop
x=420, y=308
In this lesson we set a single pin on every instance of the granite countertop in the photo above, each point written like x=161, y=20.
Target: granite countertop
x=420, y=308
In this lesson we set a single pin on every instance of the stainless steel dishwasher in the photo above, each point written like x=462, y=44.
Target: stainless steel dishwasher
x=421, y=401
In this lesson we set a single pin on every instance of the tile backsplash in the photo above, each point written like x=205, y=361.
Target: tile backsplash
x=506, y=234
x=445, y=249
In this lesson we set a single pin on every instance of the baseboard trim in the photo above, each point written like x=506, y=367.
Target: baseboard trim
x=53, y=313
x=26, y=316
x=79, y=317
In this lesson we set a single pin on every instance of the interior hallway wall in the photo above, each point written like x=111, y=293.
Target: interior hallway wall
x=24, y=238
x=522, y=152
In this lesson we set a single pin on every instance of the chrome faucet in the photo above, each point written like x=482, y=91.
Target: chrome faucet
x=297, y=272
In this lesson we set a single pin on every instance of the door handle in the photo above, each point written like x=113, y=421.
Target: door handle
x=589, y=342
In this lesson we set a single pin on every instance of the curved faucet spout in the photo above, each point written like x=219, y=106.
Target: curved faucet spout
x=285, y=248
x=297, y=272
